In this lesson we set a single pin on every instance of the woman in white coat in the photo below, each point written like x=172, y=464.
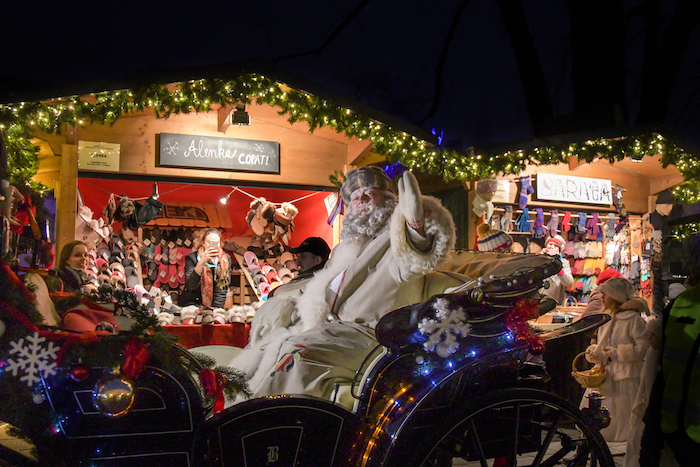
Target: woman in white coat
x=621, y=346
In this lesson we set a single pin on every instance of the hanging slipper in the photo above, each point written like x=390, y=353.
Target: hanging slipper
x=553, y=224
x=539, y=231
x=251, y=260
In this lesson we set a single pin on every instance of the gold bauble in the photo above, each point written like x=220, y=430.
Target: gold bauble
x=113, y=396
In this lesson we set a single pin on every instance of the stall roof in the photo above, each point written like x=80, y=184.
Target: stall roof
x=42, y=92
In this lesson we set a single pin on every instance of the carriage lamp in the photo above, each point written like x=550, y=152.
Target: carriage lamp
x=599, y=415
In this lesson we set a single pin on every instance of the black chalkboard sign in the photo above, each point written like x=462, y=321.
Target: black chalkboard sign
x=207, y=152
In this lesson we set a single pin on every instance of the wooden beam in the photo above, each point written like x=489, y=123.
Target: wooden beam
x=224, y=117
x=574, y=163
x=357, y=149
x=67, y=197
x=659, y=184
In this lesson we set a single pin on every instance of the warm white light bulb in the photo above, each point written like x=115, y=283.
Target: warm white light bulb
x=224, y=199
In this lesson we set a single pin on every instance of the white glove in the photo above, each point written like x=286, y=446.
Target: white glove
x=410, y=200
x=610, y=352
x=590, y=353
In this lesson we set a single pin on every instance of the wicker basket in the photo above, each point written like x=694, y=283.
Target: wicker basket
x=587, y=378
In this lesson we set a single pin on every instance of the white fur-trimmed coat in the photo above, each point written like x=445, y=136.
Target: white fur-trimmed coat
x=373, y=273
x=627, y=332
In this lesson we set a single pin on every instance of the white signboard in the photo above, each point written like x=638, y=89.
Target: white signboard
x=502, y=194
x=98, y=156
x=573, y=189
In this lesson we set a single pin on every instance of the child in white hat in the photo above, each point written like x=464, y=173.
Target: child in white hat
x=622, y=344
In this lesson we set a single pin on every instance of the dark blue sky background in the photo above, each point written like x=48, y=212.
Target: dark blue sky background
x=386, y=56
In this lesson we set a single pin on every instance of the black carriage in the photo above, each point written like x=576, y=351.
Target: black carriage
x=472, y=392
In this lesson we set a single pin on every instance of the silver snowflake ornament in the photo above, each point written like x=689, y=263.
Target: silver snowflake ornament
x=33, y=358
x=442, y=331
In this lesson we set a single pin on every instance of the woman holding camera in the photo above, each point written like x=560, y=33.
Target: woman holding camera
x=207, y=273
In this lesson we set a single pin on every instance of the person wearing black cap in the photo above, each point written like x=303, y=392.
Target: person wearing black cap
x=385, y=243
x=312, y=255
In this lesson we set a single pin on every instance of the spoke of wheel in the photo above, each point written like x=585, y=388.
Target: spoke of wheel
x=548, y=439
x=477, y=443
x=555, y=458
x=582, y=456
x=514, y=454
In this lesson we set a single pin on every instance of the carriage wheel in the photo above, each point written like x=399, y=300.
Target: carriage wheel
x=519, y=427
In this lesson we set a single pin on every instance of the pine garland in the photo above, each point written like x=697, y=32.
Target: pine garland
x=21, y=121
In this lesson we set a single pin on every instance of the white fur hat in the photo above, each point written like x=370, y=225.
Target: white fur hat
x=618, y=288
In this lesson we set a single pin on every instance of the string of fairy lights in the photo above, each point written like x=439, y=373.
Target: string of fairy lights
x=22, y=120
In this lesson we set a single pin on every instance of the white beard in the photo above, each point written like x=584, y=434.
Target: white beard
x=360, y=227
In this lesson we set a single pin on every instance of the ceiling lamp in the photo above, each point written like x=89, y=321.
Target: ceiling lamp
x=225, y=198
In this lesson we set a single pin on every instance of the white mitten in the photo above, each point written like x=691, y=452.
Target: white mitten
x=591, y=353
x=610, y=352
x=410, y=200
x=479, y=205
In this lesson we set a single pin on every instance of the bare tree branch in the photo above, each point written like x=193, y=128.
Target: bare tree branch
x=318, y=50
x=529, y=65
x=662, y=62
x=443, y=58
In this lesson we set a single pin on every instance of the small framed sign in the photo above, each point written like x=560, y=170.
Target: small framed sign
x=98, y=156
x=570, y=189
x=212, y=153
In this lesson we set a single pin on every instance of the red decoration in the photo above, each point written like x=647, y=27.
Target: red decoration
x=23, y=217
x=79, y=373
x=517, y=319
x=135, y=358
x=213, y=384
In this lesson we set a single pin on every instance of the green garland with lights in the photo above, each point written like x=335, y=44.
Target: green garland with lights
x=21, y=120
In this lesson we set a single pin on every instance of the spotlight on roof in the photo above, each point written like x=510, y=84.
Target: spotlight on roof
x=240, y=116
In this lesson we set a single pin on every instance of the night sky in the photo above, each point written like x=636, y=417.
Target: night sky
x=386, y=55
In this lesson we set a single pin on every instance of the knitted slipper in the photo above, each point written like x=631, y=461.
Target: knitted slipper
x=610, y=226
x=507, y=220
x=525, y=190
x=553, y=224
x=539, y=223
x=566, y=221
x=251, y=259
x=593, y=227
x=220, y=315
x=188, y=314
x=172, y=276
x=264, y=288
x=581, y=225
x=524, y=221
x=181, y=274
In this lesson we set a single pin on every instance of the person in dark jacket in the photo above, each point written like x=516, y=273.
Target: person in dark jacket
x=207, y=272
x=312, y=255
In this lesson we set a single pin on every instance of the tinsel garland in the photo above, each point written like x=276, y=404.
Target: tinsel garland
x=517, y=322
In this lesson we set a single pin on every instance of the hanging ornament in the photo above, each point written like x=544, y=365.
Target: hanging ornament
x=32, y=358
x=79, y=373
x=37, y=397
x=2, y=328
x=113, y=396
x=214, y=384
x=135, y=358
x=442, y=331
